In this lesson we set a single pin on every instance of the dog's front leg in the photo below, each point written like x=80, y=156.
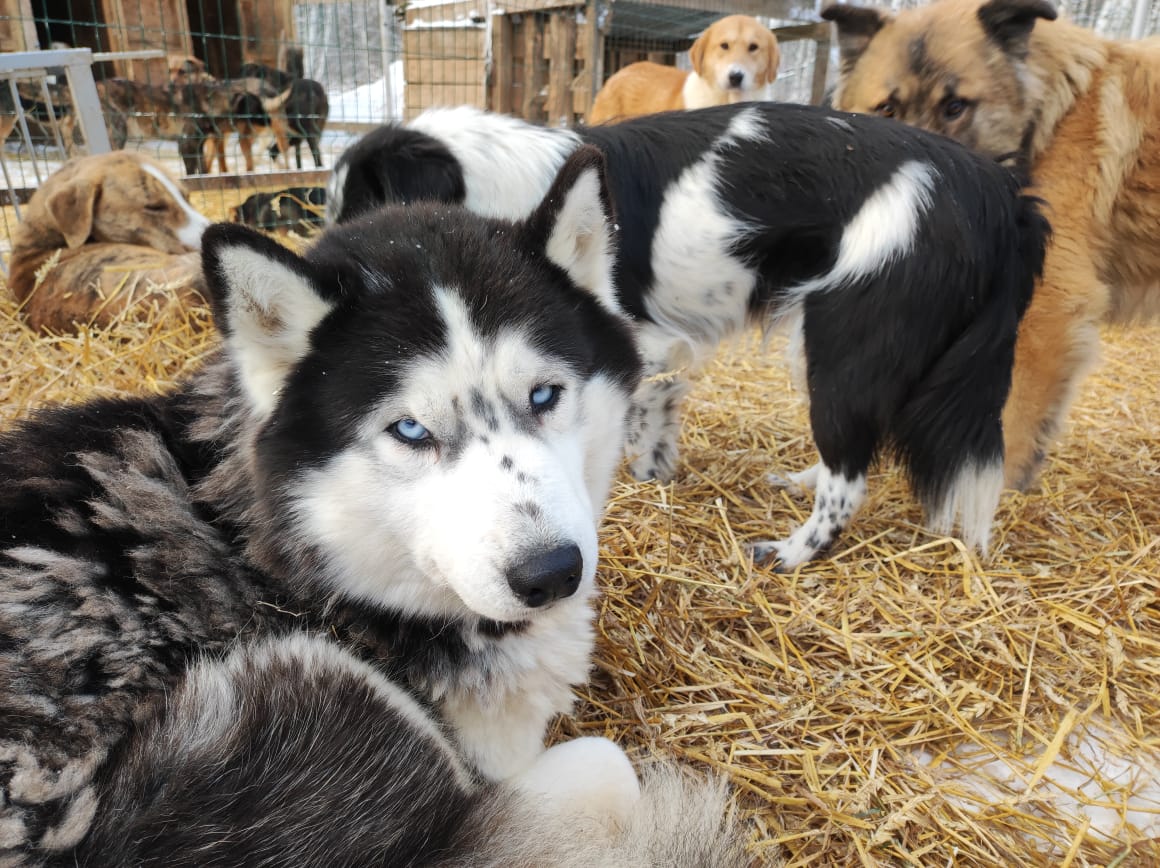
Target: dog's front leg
x=838, y=495
x=1057, y=345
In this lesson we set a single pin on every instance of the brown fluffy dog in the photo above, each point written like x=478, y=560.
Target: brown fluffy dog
x=104, y=236
x=732, y=60
x=1082, y=114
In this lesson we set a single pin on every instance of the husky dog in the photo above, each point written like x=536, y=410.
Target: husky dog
x=318, y=605
x=907, y=259
x=1080, y=112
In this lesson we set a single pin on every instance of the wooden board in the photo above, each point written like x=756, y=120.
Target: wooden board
x=137, y=25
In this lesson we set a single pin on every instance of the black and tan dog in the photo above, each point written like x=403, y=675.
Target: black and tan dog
x=306, y=109
x=1082, y=113
x=243, y=105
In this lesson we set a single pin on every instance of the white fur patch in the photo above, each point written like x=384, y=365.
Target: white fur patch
x=334, y=188
x=195, y=222
x=883, y=229
x=971, y=501
x=271, y=312
x=700, y=294
x=745, y=126
x=580, y=242
x=500, y=724
x=508, y=164
x=591, y=777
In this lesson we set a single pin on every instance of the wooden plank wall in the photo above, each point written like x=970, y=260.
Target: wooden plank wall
x=17, y=30
x=134, y=25
x=540, y=69
x=266, y=27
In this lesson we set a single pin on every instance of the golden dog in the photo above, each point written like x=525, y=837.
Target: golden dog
x=1079, y=112
x=104, y=237
x=732, y=60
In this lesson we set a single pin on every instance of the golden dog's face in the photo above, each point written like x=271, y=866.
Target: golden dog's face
x=956, y=67
x=736, y=53
x=124, y=198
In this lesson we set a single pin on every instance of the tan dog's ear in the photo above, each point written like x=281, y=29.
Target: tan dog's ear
x=772, y=57
x=697, y=52
x=856, y=27
x=1009, y=22
x=71, y=208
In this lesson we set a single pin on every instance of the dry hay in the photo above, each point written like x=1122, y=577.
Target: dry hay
x=815, y=691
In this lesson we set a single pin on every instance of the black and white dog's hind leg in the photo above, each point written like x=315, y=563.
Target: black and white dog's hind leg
x=654, y=421
x=294, y=752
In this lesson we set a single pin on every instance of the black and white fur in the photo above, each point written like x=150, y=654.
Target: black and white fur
x=318, y=605
x=907, y=261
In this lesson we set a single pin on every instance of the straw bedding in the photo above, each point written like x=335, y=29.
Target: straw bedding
x=856, y=703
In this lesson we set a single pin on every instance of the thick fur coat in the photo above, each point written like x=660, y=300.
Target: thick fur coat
x=907, y=259
x=1082, y=114
x=318, y=605
x=106, y=237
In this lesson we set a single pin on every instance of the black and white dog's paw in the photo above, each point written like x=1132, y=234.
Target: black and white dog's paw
x=836, y=499
x=658, y=463
x=786, y=554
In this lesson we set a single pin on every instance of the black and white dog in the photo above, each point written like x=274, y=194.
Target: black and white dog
x=318, y=606
x=908, y=260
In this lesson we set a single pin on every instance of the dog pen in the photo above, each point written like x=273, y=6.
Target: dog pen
x=791, y=691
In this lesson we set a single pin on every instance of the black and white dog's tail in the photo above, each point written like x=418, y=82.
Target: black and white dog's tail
x=949, y=433
x=294, y=752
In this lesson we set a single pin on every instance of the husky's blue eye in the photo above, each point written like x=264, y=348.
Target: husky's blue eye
x=544, y=397
x=409, y=431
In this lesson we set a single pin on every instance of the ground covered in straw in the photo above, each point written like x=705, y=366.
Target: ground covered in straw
x=855, y=702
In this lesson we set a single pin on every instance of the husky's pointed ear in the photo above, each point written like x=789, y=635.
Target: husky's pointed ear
x=264, y=303
x=857, y=25
x=1009, y=22
x=573, y=225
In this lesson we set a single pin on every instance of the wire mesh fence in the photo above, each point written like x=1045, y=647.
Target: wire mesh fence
x=239, y=95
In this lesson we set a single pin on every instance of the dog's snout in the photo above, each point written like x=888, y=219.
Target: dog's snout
x=736, y=77
x=547, y=576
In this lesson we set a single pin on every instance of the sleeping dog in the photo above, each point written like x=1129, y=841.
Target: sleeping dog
x=908, y=259
x=105, y=236
x=295, y=209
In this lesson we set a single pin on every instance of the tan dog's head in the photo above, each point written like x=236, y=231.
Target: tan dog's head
x=736, y=54
x=121, y=197
x=956, y=67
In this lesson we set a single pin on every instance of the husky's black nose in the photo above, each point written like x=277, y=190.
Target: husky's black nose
x=735, y=78
x=547, y=576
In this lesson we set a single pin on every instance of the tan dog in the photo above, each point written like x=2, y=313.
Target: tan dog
x=732, y=60
x=104, y=237
x=1082, y=113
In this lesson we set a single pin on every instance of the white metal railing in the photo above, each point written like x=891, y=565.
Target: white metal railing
x=39, y=66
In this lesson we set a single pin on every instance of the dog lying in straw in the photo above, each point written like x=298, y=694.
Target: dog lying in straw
x=319, y=605
x=104, y=237
x=1081, y=113
x=907, y=259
